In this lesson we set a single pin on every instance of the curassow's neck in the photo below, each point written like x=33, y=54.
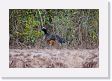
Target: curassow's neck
x=45, y=31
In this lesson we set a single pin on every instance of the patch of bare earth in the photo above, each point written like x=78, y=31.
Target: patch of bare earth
x=53, y=58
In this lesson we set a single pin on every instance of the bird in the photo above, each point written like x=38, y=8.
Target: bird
x=52, y=39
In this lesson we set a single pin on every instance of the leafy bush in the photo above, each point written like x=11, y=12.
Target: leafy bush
x=79, y=27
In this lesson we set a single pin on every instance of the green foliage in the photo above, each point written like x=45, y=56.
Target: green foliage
x=79, y=27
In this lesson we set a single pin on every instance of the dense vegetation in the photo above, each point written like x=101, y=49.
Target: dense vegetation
x=79, y=27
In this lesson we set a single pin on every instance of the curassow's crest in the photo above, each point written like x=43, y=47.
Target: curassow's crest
x=52, y=39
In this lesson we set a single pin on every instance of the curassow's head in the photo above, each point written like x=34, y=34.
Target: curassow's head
x=44, y=29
